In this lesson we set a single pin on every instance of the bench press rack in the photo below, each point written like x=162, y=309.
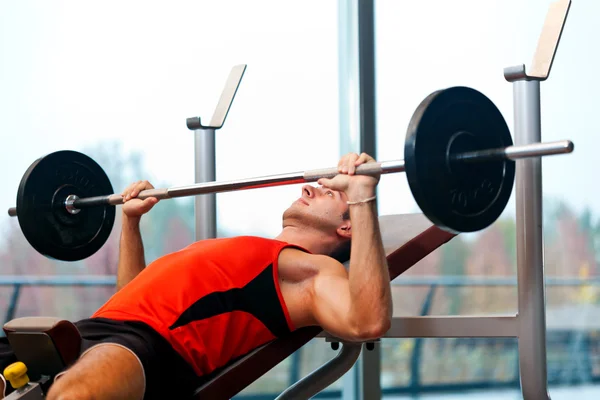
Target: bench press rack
x=528, y=325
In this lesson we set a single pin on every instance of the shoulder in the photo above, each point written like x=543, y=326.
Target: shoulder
x=301, y=274
x=294, y=258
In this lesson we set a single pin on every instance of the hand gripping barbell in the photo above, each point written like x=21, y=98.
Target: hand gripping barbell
x=66, y=210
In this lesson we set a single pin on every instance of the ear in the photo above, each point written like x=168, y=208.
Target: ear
x=345, y=230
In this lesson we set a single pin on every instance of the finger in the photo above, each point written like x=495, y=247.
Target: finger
x=364, y=157
x=145, y=185
x=127, y=190
x=342, y=162
x=134, y=192
x=351, y=167
x=324, y=182
x=361, y=160
x=138, y=187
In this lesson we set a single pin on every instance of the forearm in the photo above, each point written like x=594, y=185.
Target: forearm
x=369, y=279
x=131, y=252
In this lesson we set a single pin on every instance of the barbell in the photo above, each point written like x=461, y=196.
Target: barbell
x=65, y=204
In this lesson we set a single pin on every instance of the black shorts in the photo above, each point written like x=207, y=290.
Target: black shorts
x=168, y=376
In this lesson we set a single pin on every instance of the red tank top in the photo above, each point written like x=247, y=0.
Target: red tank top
x=213, y=301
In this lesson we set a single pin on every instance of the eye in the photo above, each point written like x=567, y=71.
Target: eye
x=329, y=193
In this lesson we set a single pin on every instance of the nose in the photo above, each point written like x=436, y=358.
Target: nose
x=308, y=191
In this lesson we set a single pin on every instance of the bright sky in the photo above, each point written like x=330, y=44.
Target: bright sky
x=76, y=73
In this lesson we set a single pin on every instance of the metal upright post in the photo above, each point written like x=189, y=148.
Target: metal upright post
x=530, y=251
x=205, y=206
x=369, y=364
x=357, y=134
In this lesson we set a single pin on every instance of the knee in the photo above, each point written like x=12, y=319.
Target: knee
x=63, y=390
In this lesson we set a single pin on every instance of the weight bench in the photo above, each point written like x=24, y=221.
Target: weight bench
x=407, y=239
x=48, y=345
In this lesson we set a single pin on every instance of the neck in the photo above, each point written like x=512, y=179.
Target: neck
x=312, y=240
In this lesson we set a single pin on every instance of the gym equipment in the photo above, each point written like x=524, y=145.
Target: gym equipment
x=41, y=341
x=50, y=182
x=44, y=346
x=450, y=129
x=16, y=376
x=527, y=325
x=204, y=144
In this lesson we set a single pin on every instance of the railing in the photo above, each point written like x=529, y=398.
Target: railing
x=577, y=343
x=457, y=280
x=19, y=281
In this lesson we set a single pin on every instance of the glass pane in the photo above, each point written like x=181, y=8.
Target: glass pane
x=119, y=86
x=430, y=45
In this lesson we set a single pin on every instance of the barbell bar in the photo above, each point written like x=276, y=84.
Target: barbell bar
x=74, y=204
x=65, y=201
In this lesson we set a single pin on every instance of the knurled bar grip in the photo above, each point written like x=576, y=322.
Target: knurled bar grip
x=117, y=199
x=314, y=175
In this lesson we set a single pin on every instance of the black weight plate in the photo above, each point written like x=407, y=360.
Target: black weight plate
x=458, y=196
x=44, y=220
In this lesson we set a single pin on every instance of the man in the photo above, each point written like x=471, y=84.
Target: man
x=191, y=312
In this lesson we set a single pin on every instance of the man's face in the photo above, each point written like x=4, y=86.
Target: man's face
x=318, y=207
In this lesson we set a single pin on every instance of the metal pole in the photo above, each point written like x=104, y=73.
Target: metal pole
x=530, y=255
x=415, y=360
x=205, y=206
x=366, y=77
x=12, y=306
x=348, y=119
x=370, y=361
x=296, y=359
x=205, y=169
x=324, y=376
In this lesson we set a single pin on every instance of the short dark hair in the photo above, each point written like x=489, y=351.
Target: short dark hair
x=342, y=252
x=346, y=215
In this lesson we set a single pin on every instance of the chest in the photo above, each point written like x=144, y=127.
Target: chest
x=295, y=284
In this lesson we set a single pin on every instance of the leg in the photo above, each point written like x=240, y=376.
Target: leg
x=106, y=371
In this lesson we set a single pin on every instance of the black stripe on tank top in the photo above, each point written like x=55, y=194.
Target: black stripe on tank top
x=259, y=298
